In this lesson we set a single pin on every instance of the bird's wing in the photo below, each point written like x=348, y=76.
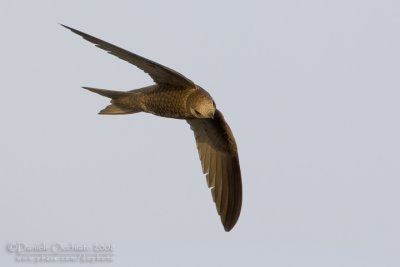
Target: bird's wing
x=220, y=161
x=159, y=73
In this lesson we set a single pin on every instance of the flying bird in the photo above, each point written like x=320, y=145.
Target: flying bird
x=175, y=96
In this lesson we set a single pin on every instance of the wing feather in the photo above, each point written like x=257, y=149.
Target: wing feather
x=218, y=188
x=211, y=172
x=159, y=73
x=220, y=162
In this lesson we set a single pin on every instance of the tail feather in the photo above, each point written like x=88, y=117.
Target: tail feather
x=119, y=101
x=107, y=93
x=114, y=110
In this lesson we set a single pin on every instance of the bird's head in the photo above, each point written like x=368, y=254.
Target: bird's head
x=201, y=105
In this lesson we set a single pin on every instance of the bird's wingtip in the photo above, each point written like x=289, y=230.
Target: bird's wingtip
x=228, y=228
x=67, y=27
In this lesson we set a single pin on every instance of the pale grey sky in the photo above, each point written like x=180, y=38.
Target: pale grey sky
x=309, y=88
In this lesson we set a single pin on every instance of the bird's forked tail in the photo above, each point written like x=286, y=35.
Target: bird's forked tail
x=119, y=102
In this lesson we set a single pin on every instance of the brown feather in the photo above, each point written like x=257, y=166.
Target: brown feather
x=160, y=74
x=215, y=141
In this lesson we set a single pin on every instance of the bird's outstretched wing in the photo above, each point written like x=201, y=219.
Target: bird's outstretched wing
x=159, y=73
x=220, y=162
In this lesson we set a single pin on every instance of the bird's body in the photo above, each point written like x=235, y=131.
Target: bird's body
x=167, y=101
x=161, y=100
x=175, y=96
